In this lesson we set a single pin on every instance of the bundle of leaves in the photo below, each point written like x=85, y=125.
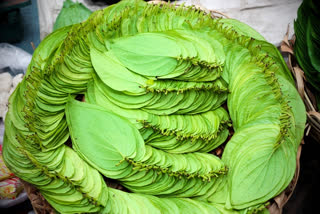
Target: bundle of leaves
x=307, y=44
x=152, y=80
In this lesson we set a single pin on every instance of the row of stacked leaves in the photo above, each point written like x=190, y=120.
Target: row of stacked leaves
x=154, y=79
x=306, y=51
x=307, y=44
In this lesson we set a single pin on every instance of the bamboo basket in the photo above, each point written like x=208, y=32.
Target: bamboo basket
x=41, y=206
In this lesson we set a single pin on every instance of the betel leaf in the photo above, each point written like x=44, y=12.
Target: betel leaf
x=100, y=136
x=122, y=80
x=71, y=13
x=306, y=47
x=153, y=57
x=257, y=171
x=298, y=109
x=313, y=42
x=242, y=28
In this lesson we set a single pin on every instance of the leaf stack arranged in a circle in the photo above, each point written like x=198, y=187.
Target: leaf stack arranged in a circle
x=152, y=80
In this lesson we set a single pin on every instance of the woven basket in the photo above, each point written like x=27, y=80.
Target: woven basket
x=38, y=202
x=41, y=206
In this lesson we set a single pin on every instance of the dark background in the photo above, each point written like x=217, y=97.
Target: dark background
x=305, y=197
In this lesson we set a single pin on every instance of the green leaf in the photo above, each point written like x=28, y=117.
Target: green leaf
x=154, y=56
x=242, y=28
x=102, y=138
x=307, y=44
x=122, y=80
x=71, y=13
x=257, y=171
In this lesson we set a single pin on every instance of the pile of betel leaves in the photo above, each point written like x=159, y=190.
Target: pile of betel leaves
x=138, y=94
